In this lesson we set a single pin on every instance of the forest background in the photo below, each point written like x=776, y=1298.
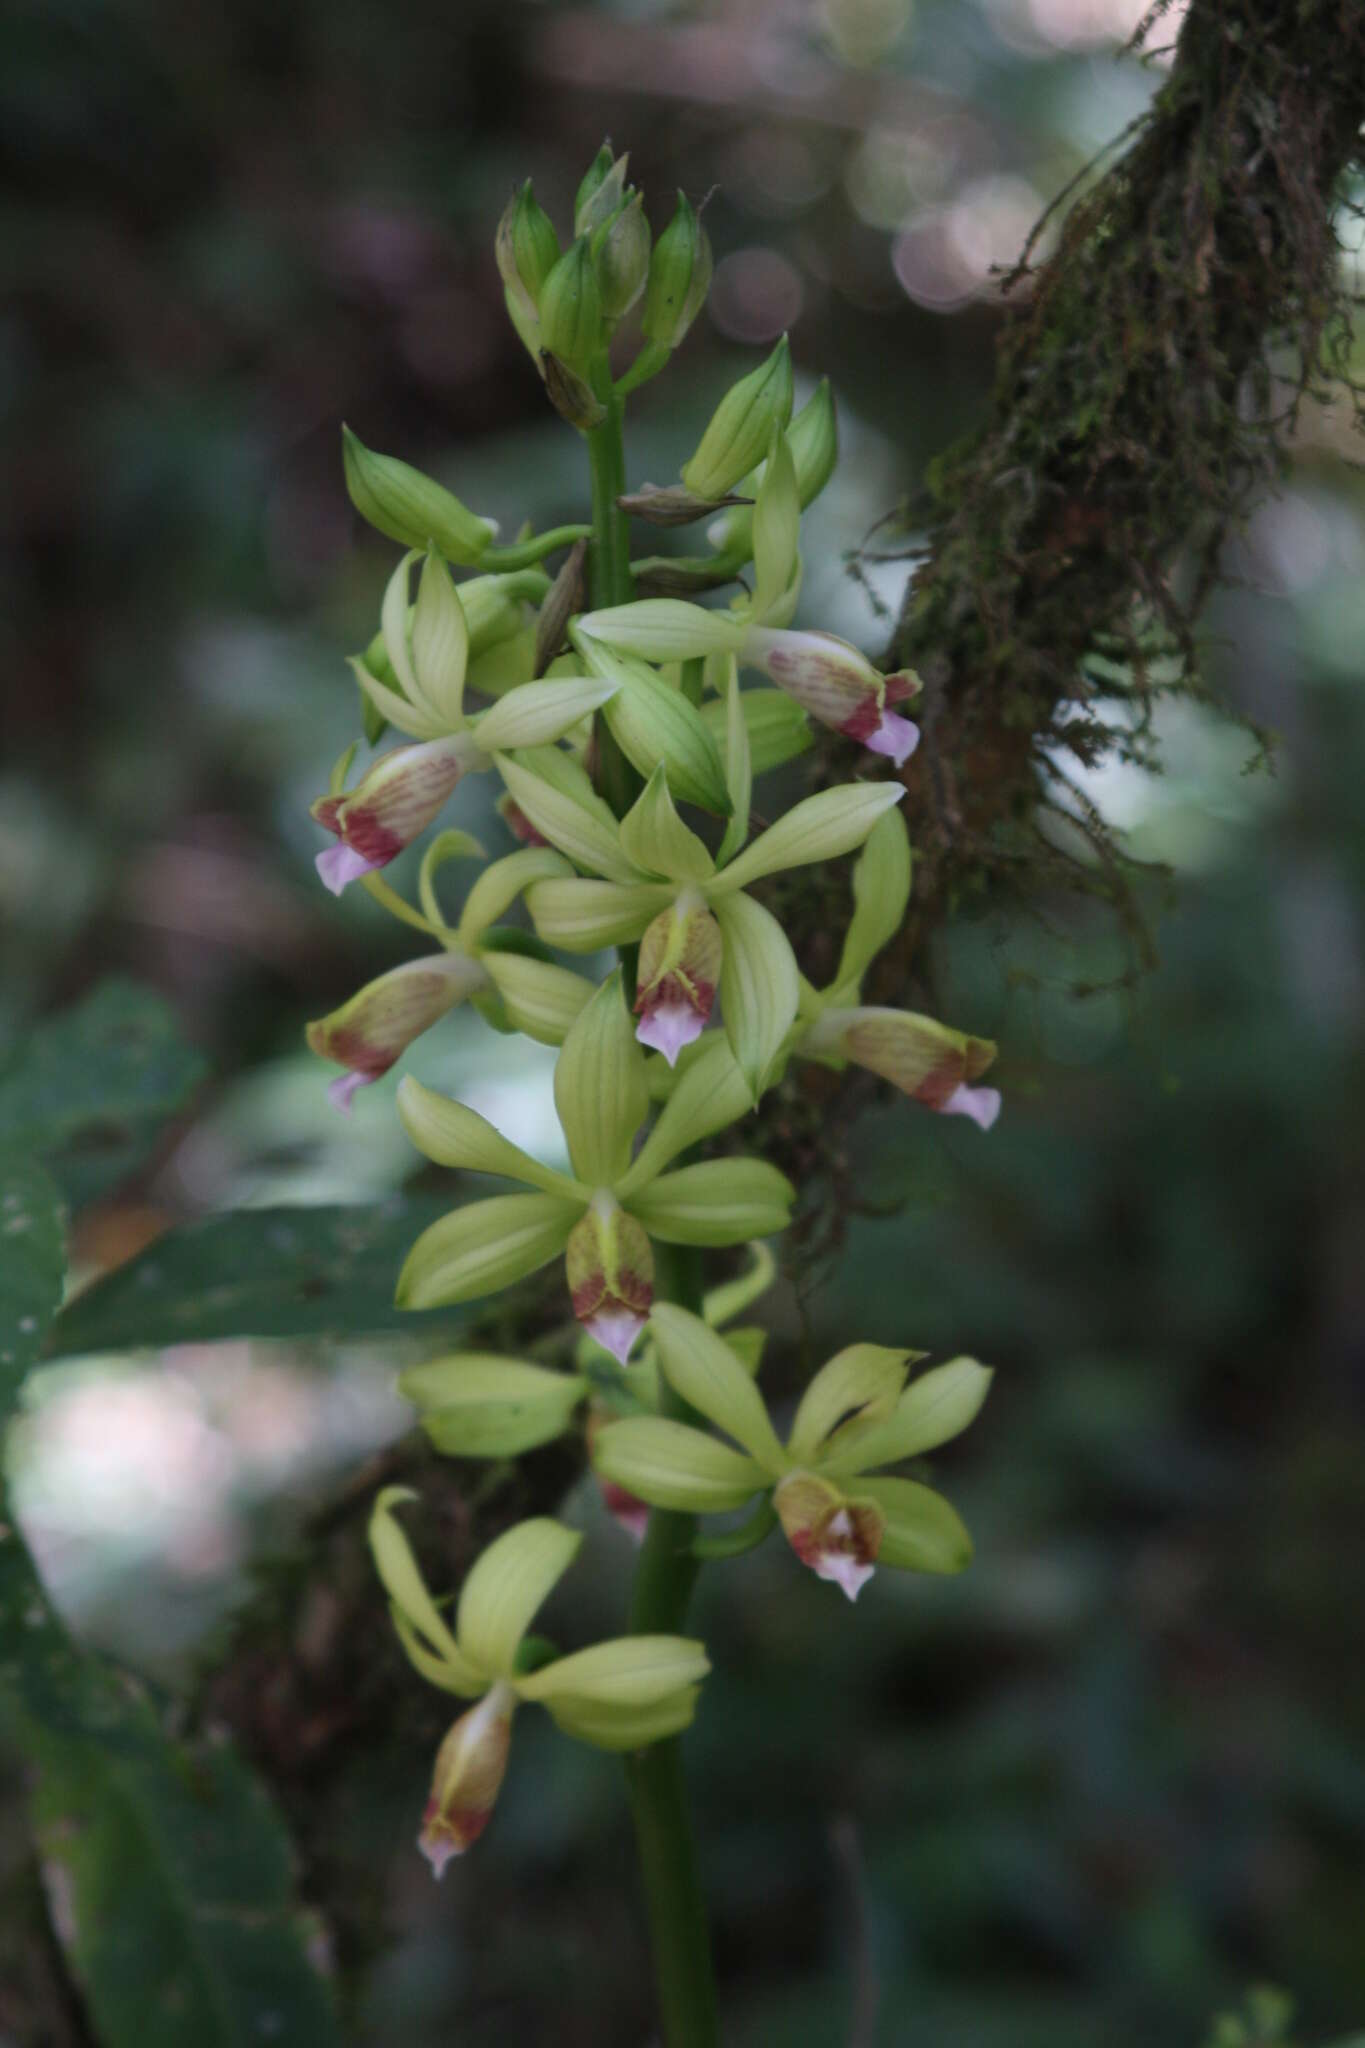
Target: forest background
x=1093, y=1790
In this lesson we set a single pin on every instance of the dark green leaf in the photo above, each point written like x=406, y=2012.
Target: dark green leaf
x=89, y=1091
x=258, y=1273
x=167, y=1873
x=170, y=1884
x=32, y=1267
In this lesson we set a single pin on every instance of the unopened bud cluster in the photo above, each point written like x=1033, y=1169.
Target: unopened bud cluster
x=515, y=673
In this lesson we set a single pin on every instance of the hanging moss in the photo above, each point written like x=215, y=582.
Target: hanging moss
x=1145, y=384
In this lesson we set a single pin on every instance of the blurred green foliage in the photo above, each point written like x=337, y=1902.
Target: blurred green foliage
x=1092, y=1790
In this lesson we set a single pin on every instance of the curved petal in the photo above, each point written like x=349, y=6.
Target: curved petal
x=701, y=1367
x=656, y=839
x=719, y=1202
x=858, y=1388
x=760, y=989
x=819, y=828
x=578, y=833
x=533, y=714
x=631, y=1671
x=499, y=886
x=541, y=1000
x=483, y=1247
x=403, y=1582
x=454, y=1135
x=582, y=916
x=708, y=1096
x=509, y=1582
x=923, y=1532
x=475, y=1404
x=671, y=1465
x=601, y=1090
x=621, y=1728
x=937, y=1406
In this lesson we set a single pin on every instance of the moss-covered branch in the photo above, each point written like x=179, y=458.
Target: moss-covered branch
x=1144, y=386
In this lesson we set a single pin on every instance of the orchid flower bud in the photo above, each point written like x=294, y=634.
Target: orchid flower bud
x=399, y=501
x=813, y=440
x=679, y=278
x=742, y=425
x=371, y=1031
x=571, y=310
x=928, y=1061
x=470, y=1765
x=572, y=397
x=387, y=809
x=527, y=247
x=601, y=192
x=610, y=1268
x=679, y=971
x=621, y=252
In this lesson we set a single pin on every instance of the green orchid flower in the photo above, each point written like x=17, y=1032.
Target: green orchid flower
x=604, y=1215
x=427, y=649
x=841, y=1515
x=650, y=878
x=618, y=1695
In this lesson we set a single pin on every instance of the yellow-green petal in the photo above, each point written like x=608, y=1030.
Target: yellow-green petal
x=719, y=1202
x=454, y=1135
x=923, y=1532
x=509, y=1582
x=671, y=1465
x=476, y=1404
x=701, y=1367
x=858, y=1388
x=483, y=1247
x=601, y=1090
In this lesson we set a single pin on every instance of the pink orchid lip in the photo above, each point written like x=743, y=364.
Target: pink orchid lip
x=341, y=1092
x=669, y=1027
x=893, y=736
x=842, y=1571
x=341, y=864
x=615, y=1329
x=982, y=1105
x=438, y=1850
x=440, y=1841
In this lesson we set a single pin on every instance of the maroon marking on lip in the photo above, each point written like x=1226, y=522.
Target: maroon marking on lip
x=935, y=1089
x=352, y=1049
x=864, y=721
x=366, y=835
x=699, y=996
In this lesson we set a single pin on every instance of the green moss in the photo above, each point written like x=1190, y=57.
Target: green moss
x=1146, y=380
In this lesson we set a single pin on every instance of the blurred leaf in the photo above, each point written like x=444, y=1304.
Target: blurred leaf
x=32, y=1267
x=167, y=1873
x=90, y=1088
x=258, y=1273
x=170, y=1885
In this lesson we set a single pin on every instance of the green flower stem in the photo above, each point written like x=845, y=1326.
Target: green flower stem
x=524, y=554
x=609, y=558
x=679, y=1936
x=664, y=1578
x=609, y=583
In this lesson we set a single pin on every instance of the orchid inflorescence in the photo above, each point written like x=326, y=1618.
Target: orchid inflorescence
x=626, y=732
